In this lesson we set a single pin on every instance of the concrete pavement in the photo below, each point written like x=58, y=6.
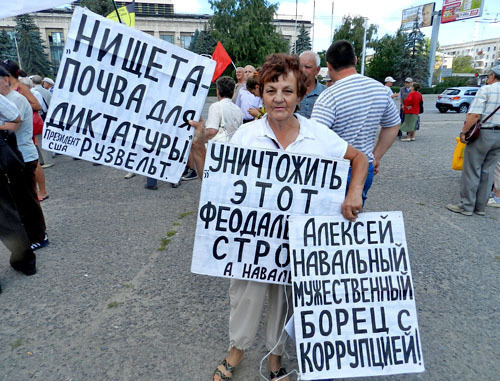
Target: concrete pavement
x=114, y=298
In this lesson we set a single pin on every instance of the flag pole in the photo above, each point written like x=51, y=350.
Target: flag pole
x=116, y=10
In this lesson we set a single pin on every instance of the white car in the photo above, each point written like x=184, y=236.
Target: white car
x=456, y=98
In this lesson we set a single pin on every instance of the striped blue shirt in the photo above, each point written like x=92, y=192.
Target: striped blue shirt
x=354, y=107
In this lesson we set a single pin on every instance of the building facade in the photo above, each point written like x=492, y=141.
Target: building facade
x=155, y=17
x=485, y=53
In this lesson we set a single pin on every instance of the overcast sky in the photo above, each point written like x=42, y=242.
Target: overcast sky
x=383, y=13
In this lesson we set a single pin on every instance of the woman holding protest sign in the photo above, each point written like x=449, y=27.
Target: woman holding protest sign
x=281, y=86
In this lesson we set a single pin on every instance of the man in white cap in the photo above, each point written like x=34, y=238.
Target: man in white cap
x=48, y=84
x=481, y=155
x=403, y=94
x=389, y=81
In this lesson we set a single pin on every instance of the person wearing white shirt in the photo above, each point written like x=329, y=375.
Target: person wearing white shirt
x=282, y=87
x=248, y=98
x=248, y=72
x=481, y=155
x=224, y=117
x=389, y=82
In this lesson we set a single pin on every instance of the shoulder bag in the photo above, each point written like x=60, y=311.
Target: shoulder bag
x=473, y=133
x=10, y=157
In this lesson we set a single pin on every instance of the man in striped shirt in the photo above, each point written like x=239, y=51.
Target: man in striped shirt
x=355, y=106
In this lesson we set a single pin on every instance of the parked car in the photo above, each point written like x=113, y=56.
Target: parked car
x=456, y=98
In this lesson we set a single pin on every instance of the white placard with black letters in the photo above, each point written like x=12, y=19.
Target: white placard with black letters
x=353, y=297
x=123, y=98
x=247, y=195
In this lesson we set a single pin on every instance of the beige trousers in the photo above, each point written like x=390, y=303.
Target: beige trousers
x=247, y=302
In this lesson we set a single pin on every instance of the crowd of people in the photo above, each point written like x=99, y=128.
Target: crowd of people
x=23, y=105
x=280, y=105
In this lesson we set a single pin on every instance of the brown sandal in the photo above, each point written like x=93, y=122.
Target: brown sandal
x=279, y=373
x=227, y=367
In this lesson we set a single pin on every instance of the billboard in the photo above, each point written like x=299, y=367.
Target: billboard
x=456, y=10
x=422, y=15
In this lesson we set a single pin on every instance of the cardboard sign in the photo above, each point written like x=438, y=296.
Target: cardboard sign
x=124, y=98
x=354, y=304
x=246, y=198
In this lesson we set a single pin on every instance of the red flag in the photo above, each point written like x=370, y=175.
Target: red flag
x=223, y=60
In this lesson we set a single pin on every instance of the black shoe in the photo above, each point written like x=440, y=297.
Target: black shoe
x=191, y=175
x=27, y=268
x=151, y=187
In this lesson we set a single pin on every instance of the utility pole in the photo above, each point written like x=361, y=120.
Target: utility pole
x=436, y=21
x=331, y=27
x=364, y=48
x=314, y=16
x=295, y=44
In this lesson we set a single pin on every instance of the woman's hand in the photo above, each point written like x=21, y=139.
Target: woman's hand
x=353, y=203
x=352, y=206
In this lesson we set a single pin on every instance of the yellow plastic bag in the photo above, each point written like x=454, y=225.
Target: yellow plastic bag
x=458, y=156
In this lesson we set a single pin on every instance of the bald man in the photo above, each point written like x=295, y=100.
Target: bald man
x=240, y=81
x=310, y=64
x=248, y=72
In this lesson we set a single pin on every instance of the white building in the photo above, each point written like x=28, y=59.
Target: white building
x=485, y=53
x=155, y=17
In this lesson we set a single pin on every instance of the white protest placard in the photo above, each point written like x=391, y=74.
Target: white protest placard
x=246, y=197
x=353, y=297
x=124, y=98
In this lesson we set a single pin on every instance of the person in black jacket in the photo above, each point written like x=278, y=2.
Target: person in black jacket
x=12, y=232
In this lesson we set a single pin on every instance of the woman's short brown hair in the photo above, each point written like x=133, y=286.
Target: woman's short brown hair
x=416, y=86
x=278, y=64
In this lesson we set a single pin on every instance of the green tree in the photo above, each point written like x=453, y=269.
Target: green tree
x=322, y=56
x=101, y=7
x=352, y=30
x=245, y=29
x=303, y=42
x=415, y=57
x=388, y=51
x=34, y=60
x=7, y=47
x=202, y=43
x=463, y=64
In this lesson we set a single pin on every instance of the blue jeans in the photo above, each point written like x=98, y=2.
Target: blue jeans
x=368, y=182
